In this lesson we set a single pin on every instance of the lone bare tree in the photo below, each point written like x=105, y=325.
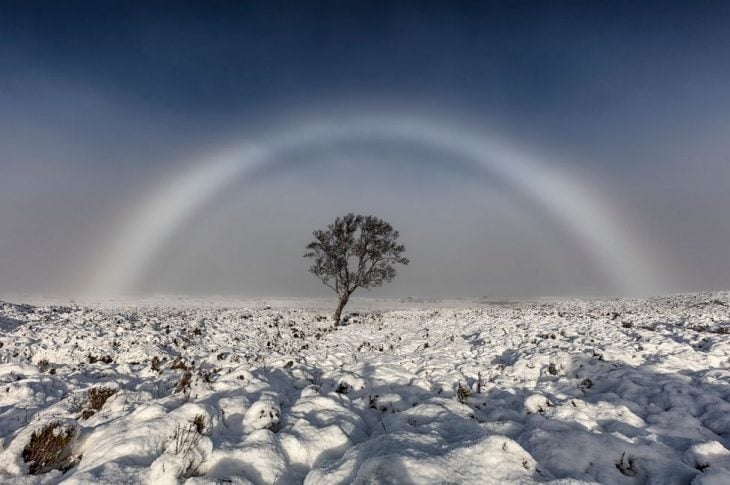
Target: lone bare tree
x=355, y=252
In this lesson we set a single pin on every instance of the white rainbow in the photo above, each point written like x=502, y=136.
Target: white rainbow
x=566, y=198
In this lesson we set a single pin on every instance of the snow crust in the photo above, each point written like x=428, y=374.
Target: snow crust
x=612, y=391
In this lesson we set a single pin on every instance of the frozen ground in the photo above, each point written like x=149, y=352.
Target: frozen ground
x=620, y=391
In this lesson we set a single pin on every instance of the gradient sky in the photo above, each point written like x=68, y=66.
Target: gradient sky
x=103, y=102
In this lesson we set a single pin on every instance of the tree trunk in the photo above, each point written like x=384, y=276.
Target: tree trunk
x=340, y=306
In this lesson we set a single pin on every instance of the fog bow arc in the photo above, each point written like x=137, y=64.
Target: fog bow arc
x=590, y=221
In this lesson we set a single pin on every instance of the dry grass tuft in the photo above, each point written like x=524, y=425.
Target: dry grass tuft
x=463, y=393
x=186, y=438
x=97, y=398
x=185, y=381
x=178, y=363
x=199, y=423
x=49, y=448
x=43, y=365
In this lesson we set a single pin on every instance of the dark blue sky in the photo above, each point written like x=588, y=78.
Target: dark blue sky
x=97, y=99
x=583, y=65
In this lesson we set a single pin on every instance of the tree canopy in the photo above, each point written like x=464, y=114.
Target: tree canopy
x=355, y=251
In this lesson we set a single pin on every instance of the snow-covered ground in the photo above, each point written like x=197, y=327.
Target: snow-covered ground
x=614, y=391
